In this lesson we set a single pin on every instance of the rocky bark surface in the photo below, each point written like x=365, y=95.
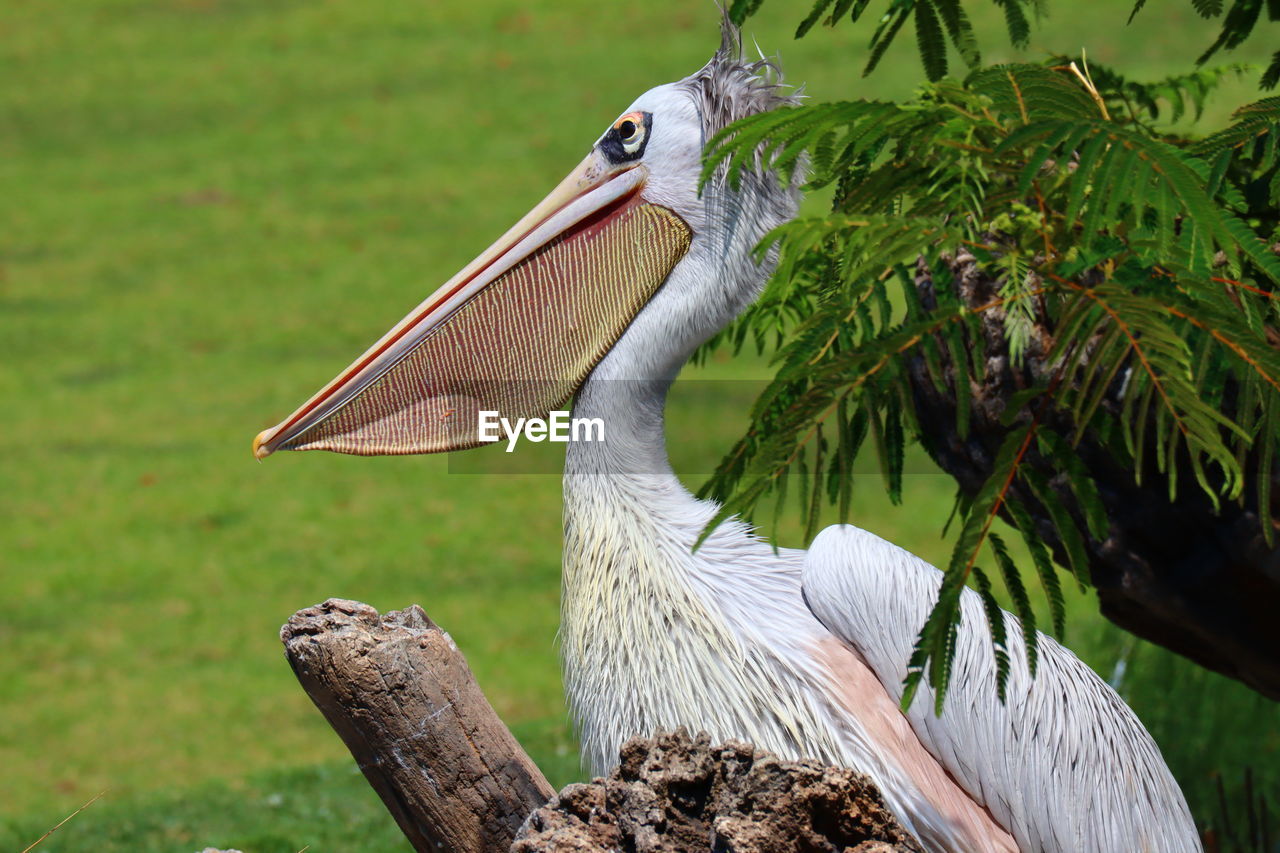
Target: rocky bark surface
x=676, y=793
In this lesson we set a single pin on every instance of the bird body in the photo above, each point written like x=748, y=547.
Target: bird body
x=655, y=636
x=804, y=654
x=606, y=288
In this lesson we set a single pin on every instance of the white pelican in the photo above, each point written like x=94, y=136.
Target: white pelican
x=603, y=290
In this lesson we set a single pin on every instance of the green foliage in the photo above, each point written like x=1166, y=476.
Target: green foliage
x=1175, y=95
x=1134, y=267
x=941, y=22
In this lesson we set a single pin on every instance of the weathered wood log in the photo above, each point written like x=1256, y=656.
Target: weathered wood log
x=401, y=696
x=680, y=794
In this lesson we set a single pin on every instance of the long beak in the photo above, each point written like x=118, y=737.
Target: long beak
x=516, y=331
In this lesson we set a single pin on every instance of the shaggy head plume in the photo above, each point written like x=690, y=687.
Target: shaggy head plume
x=730, y=87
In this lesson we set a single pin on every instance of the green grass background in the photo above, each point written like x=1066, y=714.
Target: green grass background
x=207, y=207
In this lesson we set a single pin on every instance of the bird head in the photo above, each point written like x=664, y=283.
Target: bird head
x=627, y=261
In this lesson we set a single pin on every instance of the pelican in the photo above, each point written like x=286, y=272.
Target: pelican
x=601, y=293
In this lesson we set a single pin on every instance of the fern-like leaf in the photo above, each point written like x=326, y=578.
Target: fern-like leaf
x=930, y=41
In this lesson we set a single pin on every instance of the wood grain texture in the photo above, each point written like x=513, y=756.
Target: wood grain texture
x=401, y=696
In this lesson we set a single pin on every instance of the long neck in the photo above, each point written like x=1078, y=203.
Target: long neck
x=651, y=631
x=638, y=633
x=634, y=446
x=627, y=392
x=644, y=628
x=628, y=476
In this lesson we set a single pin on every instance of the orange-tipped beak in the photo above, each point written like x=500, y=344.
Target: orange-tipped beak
x=516, y=331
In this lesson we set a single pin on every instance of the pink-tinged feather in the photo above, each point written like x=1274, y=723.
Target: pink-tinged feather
x=861, y=694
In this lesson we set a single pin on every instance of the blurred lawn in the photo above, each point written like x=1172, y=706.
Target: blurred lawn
x=207, y=208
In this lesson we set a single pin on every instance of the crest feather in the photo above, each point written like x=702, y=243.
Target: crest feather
x=730, y=87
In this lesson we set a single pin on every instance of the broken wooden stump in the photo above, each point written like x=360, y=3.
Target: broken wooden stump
x=680, y=794
x=401, y=696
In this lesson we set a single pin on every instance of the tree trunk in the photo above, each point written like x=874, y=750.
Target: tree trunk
x=1200, y=582
x=401, y=696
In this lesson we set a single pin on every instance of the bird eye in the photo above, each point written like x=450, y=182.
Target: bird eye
x=630, y=130
x=626, y=140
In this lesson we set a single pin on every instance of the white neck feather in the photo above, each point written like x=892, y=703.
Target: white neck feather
x=654, y=635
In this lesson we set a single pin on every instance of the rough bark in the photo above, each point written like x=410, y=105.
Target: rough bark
x=1199, y=581
x=401, y=696
x=674, y=793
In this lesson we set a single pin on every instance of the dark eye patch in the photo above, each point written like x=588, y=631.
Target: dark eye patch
x=625, y=142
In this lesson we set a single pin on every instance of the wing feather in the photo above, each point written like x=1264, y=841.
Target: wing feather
x=1063, y=764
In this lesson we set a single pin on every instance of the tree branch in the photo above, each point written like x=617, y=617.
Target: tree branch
x=401, y=696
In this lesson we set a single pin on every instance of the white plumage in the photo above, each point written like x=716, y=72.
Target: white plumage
x=1063, y=763
x=802, y=654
